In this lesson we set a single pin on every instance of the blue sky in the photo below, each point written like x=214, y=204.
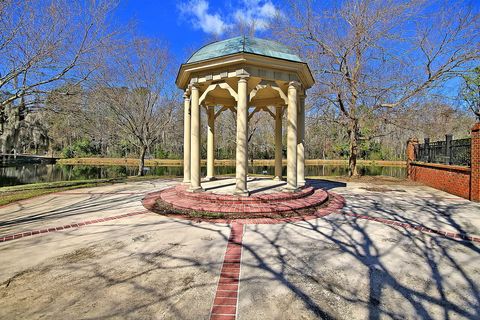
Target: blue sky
x=186, y=25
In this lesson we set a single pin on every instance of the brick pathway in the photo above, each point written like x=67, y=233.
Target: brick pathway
x=24, y=234
x=418, y=227
x=226, y=297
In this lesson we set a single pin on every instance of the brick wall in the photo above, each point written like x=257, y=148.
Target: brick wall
x=461, y=181
x=475, y=161
x=452, y=179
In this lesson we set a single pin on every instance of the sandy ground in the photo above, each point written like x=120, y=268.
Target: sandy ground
x=153, y=267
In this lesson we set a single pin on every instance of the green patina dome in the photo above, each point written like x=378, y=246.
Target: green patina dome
x=252, y=45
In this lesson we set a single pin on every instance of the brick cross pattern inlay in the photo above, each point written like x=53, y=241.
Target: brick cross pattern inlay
x=225, y=303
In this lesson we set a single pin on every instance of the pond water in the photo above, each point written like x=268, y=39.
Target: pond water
x=17, y=174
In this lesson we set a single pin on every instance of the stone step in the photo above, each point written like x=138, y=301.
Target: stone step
x=229, y=199
x=207, y=202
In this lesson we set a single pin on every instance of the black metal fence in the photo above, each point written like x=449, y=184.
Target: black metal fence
x=454, y=152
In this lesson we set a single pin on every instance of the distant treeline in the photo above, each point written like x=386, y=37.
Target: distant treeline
x=325, y=139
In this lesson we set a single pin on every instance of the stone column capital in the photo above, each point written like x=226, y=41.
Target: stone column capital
x=193, y=86
x=243, y=78
x=295, y=84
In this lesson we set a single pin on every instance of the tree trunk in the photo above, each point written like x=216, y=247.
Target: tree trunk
x=353, y=136
x=141, y=164
x=49, y=147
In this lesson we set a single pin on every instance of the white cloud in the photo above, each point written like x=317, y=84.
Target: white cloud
x=250, y=12
x=268, y=10
x=202, y=19
x=257, y=13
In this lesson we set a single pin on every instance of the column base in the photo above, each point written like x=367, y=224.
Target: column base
x=301, y=183
x=290, y=189
x=195, y=189
x=277, y=178
x=210, y=179
x=186, y=182
x=241, y=193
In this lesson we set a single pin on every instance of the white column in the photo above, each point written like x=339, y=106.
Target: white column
x=242, y=139
x=211, y=144
x=186, y=139
x=195, y=142
x=301, y=143
x=278, y=143
x=292, y=137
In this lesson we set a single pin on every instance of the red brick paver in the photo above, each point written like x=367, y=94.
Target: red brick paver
x=335, y=202
x=418, y=227
x=276, y=202
x=24, y=234
x=226, y=297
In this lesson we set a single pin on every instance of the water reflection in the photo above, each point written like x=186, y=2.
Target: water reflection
x=337, y=170
x=31, y=173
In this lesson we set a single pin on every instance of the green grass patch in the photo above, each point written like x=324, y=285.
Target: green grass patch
x=51, y=185
x=9, y=197
x=206, y=215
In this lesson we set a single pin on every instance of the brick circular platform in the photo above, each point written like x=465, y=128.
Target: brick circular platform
x=277, y=207
x=179, y=198
x=229, y=199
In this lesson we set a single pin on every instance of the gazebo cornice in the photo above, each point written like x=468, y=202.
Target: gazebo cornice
x=217, y=67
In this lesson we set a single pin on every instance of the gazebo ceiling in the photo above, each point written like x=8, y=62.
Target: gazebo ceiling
x=258, y=58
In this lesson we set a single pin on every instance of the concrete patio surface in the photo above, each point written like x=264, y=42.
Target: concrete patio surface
x=147, y=266
x=256, y=186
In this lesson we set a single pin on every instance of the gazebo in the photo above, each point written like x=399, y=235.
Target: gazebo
x=244, y=75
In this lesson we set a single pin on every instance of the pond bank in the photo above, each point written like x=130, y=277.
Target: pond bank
x=225, y=162
x=23, y=173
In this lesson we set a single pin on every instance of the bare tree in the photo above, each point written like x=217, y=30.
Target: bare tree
x=372, y=57
x=64, y=108
x=43, y=43
x=470, y=93
x=135, y=88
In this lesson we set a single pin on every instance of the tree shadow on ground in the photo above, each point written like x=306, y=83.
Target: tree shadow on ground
x=79, y=207
x=325, y=184
x=126, y=274
x=441, y=280
x=385, y=271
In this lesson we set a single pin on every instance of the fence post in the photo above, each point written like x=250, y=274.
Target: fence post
x=475, y=164
x=448, y=147
x=411, y=146
x=427, y=149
